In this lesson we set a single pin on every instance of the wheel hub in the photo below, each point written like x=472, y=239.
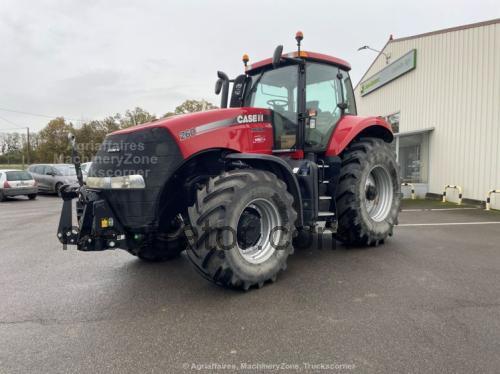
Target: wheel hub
x=258, y=231
x=379, y=193
x=249, y=228
x=371, y=192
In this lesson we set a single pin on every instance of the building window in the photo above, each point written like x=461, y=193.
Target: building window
x=413, y=157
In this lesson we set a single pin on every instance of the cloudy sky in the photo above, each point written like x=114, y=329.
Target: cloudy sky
x=88, y=59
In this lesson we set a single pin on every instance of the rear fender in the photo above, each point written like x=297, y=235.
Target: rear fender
x=351, y=127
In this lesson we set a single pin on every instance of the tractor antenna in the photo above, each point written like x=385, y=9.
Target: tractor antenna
x=245, y=59
x=298, y=37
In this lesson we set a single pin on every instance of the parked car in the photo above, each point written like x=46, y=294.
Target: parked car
x=85, y=170
x=51, y=177
x=17, y=183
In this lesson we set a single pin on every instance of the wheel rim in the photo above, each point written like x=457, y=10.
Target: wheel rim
x=378, y=193
x=257, y=236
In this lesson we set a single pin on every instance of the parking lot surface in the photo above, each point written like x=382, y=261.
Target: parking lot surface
x=426, y=301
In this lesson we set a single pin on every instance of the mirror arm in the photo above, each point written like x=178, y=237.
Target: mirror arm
x=342, y=105
x=75, y=158
x=225, y=88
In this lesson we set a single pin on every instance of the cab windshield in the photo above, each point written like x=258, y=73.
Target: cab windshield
x=277, y=90
x=326, y=87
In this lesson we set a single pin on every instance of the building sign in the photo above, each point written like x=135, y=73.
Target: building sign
x=401, y=66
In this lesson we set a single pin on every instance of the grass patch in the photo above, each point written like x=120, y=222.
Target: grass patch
x=12, y=166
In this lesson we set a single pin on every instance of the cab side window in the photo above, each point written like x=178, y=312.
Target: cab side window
x=326, y=87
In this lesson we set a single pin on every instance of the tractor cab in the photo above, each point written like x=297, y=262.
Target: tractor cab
x=306, y=92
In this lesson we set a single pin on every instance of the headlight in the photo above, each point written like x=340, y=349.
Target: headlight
x=128, y=182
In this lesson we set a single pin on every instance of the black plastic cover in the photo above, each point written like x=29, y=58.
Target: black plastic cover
x=151, y=152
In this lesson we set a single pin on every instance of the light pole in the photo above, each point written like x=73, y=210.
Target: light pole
x=387, y=55
x=28, y=144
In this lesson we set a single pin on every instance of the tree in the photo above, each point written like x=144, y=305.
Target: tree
x=53, y=139
x=89, y=138
x=191, y=106
x=134, y=117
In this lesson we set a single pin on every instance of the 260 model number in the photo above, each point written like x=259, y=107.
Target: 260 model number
x=186, y=134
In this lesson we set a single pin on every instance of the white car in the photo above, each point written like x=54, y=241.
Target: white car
x=17, y=183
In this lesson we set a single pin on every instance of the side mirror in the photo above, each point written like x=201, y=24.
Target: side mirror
x=51, y=173
x=225, y=88
x=277, y=56
x=218, y=86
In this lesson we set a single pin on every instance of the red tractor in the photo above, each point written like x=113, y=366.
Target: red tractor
x=237, y=186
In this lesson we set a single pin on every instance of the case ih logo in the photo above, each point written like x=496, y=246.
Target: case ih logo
x=251, y=118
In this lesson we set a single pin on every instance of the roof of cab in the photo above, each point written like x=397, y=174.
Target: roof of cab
x=313, y=56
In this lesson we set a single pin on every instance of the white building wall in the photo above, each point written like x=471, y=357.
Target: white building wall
x=455, y=88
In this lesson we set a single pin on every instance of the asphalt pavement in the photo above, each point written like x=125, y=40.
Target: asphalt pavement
x=426, y=301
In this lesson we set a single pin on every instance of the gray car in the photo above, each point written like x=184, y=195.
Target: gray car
x=51, y=177
x=17, y=183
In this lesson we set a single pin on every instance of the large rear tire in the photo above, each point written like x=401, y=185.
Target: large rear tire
x=369, y=193
x=241, y=228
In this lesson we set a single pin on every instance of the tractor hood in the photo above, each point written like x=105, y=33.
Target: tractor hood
x=217, y=128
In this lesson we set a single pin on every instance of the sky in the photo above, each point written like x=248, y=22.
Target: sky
x=89, y=59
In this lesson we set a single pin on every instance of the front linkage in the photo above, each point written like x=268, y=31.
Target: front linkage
x=97, y=229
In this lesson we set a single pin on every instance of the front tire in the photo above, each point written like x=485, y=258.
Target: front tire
x=369, y=193
x=163, y=249
x=241, y=228
x=166, y=246
x=32, y=196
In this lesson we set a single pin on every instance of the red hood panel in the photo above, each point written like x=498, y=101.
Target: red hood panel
x=238, y=129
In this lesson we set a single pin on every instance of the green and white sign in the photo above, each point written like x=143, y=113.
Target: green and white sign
x=401, y=66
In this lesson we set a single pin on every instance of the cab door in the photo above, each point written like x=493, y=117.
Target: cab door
x=323, y=94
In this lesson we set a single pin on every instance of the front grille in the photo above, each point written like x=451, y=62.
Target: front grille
x=152, y=153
